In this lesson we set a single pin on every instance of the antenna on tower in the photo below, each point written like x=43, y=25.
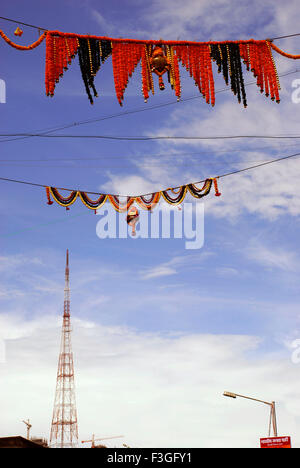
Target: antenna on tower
x=93, y=440
x=29, y=426
x=64, y=428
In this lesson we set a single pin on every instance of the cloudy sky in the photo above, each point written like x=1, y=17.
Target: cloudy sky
x=159, y=330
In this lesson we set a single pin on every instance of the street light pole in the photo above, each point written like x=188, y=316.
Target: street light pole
x=273, y=419
x=272, y=422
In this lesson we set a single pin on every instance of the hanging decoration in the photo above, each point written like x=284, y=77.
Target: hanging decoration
x=281, y=52
x=160, y=59
x=20, y=47
x=160, y=64
x=92, y=53
x=173, y=196
x=163, y=57
x=133, y=218
x=59, y=54
x=18, y=32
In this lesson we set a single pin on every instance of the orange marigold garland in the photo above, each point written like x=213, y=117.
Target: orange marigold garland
x=160, y=57
x=202, y=191
x=146, y=80
x=59, y=53
x=125, y=58
x=148, y=203
x=20, y=47
x=120, y=206
x=258, y=57
x=177, y=84
x=174, y=196
x=281, y=52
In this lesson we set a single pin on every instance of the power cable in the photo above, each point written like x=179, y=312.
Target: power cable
x=24, y=24
x=238, y=171
x=153, y=157
x=158, y=137
x=133, y=111
x=43, y=29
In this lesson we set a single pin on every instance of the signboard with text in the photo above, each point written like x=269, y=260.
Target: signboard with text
x=275, y=442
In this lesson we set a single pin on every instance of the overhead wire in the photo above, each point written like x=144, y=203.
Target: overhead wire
x=158, y=137
x=154, y=158
x=23, y=24
x=129, y=112
x=43, y=29
x=237, y=171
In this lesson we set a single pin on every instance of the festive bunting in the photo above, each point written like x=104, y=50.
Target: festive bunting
x=20, y=47
x=132, y=218
x=163, y=57
x=281, y=52
x=18, y=32
x=160, y=59
x=146, y=202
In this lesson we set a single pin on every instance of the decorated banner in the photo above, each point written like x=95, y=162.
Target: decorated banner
x=159, y=63
x=173, y=196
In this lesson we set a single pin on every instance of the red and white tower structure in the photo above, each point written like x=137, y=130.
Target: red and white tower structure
x=64, y=429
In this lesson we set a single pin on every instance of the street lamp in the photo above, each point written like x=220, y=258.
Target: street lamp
x=272, y=421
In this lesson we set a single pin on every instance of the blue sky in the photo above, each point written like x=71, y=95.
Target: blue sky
x=173, y=328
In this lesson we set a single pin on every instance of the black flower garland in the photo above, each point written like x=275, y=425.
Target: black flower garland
x=91, y=53
x=228, y=60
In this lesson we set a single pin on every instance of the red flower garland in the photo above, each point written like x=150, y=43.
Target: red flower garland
x=194, y=56
x=20, y=47
x=59, y=53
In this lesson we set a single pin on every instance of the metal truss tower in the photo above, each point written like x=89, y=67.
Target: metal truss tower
x=64, y=429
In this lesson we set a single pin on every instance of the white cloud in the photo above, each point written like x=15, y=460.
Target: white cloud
x=158, y=271
x=155, y=389
x=194, y=20
x=272, y=257
x=175, y=264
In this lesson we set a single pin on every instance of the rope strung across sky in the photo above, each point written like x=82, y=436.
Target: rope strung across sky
x=159, y=58
x=174, y=195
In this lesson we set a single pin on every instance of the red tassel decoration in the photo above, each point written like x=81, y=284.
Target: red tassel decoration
x=177, y=85
x=211, y=80
x=259, y=59
x=277, y=85
x=125, y=58
x=60, y=51
x=145, y=74
x=217, y=193
x=197, y=60
x=206, y=60
x=115, y=62
x=50, y=66
x=49, y=202
x=18, y=32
